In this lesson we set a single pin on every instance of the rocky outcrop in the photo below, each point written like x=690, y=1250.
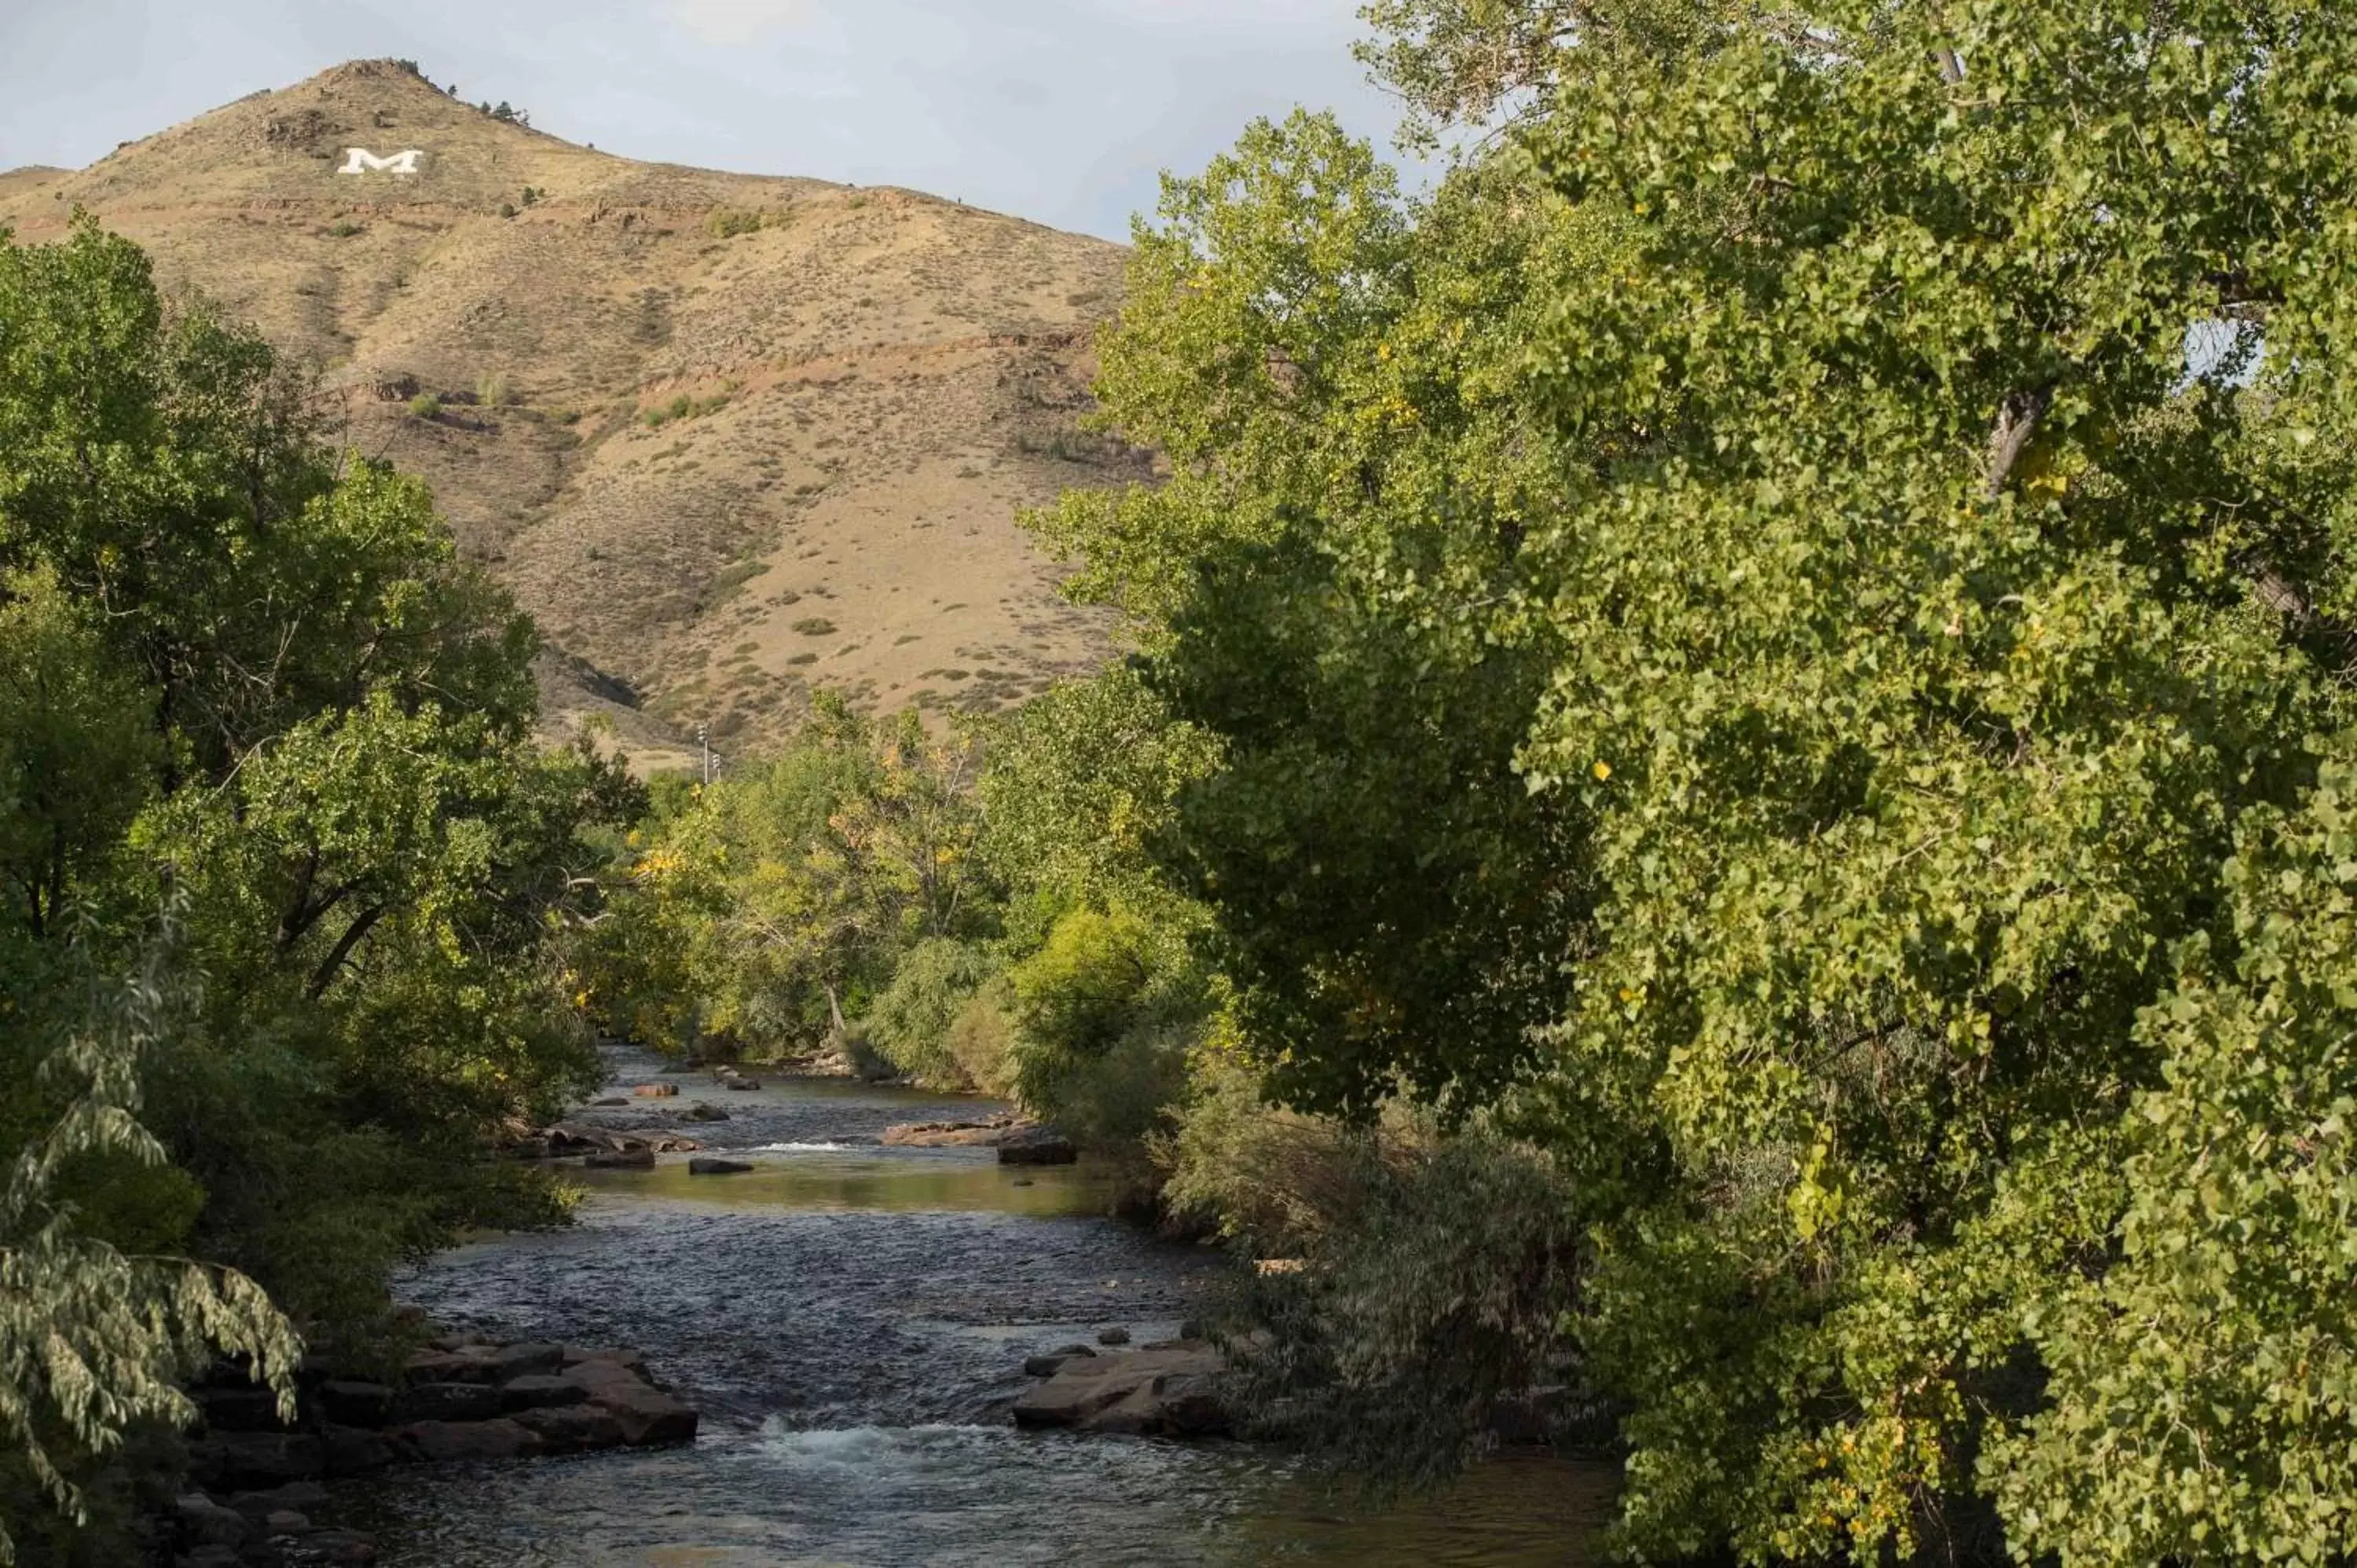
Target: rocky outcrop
x=984, y=1134
x=1171, y=1389
x=576, y=1137
x=266, y=1526
x=1019, y=1143
x=472, y=1401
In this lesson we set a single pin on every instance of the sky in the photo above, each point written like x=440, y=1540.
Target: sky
x=1061, y=111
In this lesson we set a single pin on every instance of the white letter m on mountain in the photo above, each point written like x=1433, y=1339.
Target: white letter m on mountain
x=360, y=160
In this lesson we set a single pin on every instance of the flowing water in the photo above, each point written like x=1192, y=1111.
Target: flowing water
x=851, y=1321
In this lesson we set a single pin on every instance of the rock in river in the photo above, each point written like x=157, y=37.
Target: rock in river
x=1036, y=1146
x=703, y=1165
x=1166, y=1390
x=948, y=1134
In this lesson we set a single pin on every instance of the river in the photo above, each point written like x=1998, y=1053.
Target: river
x=851, y=1321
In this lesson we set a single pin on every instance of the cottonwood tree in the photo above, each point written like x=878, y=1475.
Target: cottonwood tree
x=1741, y=641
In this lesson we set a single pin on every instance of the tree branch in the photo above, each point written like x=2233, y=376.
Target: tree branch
x=2017, y=422
x=325, y=973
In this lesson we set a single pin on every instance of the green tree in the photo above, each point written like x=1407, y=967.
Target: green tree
x=78, y=753
x=246, y=671
x=95, y=1341
x=1736, y=636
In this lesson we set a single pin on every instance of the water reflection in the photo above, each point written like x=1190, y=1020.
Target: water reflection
x=891, y=1181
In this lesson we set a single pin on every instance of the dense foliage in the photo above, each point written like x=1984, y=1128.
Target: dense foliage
x=244, y=679
x=873, y=893
x=1781, y=638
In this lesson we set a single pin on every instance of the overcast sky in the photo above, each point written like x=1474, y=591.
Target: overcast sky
x=1063, y=111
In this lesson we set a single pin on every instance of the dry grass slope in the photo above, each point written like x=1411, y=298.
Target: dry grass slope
x=727, y=438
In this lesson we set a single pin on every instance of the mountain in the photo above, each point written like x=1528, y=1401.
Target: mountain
x=727, y=438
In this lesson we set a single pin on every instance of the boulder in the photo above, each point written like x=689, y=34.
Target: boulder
x=572, y=1428
x=355, y=1451
x=656, y=1090
x=437, y=1441
x=742, y=1083
x=1036, y=1146
x=303, y=1496
x=204, y=1522
x=573, y=1137
x=948, y=1134
x=639, y=1159
x=448, y=1401
x=286, y=1521
x=612, y=1100
x=245, y=1409
x=249, y=1461
x=1048, y=1366
x=1115, y=1336
x=703, y=1165
x=535, y=1391
x=350, y=1402
x=645, y=1413
x=529, y=1356
x=467, y=1364
x=629, y=1361
x=1174, y=1391
x=703, y=1113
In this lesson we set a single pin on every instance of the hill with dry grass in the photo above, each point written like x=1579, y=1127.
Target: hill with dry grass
x=730, y=438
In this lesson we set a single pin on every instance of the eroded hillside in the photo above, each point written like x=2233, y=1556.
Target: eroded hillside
x=727, y=438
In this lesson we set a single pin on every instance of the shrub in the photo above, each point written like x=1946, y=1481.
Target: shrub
x=1434, y=1300
x=1080, y=992
x=725, y=223
x=683, y=407
x=426, y=405
x=1267, y=1177
x=981, y=1040
x=910, y=1021
x=814, y=626
x=492, y=391
x=1118, y=1100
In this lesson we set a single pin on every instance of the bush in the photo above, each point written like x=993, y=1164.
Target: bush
x=981, y=1040
x=1119, y=1101
x=426, y=405
x=1081, y=991
x=683, y=407
x=725, y=223
x=1434, y=1300
x=814, y=626
x=492, y=391
x=1271, y=1179
x=910, y=1021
